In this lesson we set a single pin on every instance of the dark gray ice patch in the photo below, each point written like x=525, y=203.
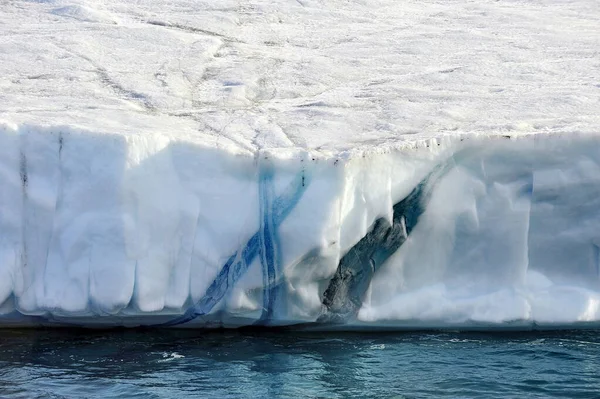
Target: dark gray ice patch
x=345, y=293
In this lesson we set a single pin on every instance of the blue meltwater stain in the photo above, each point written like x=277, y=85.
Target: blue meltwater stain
x=264, y=243
x=270, y=249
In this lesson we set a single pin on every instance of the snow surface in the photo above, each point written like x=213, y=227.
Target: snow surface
x=199, y=163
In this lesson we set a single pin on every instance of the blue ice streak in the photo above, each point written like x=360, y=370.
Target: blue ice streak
x=263, y=243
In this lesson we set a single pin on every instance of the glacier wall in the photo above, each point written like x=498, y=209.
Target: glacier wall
x=104, y=229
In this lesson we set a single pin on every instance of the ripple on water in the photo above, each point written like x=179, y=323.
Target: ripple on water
x=129, y=363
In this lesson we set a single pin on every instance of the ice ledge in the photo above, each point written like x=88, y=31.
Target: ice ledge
x=168, y=131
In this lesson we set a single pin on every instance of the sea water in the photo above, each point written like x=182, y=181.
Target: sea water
x=264, y=364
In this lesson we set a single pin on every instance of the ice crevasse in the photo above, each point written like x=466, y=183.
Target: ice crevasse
x=108, y=230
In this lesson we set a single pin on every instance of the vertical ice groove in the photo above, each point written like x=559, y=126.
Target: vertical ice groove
x=26, y=281
x=10, y=217
x=596, y=259
x=92, y=244
x=269, y=247
x=157, y=203
x=529, y=222
x=179, y=282
x=57, y=281
x=23, y=266
x=528, y=230
x=40, y=180
x=192, y=251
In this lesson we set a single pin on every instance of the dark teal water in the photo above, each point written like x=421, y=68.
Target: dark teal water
x=262, y=364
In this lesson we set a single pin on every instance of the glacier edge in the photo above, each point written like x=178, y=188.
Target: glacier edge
x=109, y=230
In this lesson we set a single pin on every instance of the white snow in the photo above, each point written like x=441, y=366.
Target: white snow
x=310, y=74
x=143, y=144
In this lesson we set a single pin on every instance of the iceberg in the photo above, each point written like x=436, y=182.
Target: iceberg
x=192, y=166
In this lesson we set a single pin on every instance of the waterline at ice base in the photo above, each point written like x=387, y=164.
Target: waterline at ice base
x=468, y=232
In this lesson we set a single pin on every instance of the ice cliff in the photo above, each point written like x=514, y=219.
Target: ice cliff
x=100, y=229
x=319, y=165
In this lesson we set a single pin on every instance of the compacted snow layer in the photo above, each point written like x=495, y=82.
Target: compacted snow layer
x=332, y=164
x=317, y=74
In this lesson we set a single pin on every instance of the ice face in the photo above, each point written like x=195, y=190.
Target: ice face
x=107, y=230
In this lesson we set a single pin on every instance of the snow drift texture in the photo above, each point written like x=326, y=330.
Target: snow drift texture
x=325, y=164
